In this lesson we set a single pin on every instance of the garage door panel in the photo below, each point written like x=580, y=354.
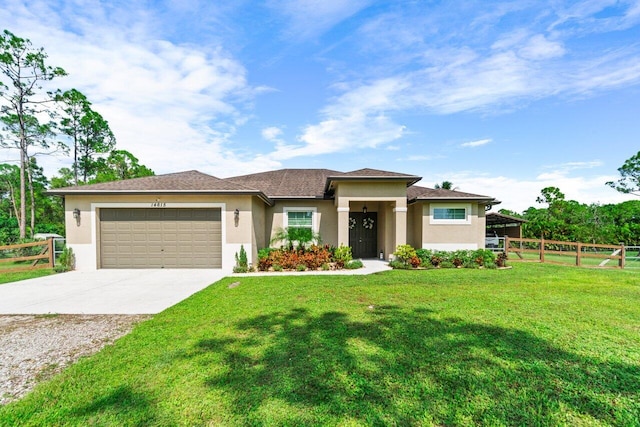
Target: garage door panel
x=160, y=238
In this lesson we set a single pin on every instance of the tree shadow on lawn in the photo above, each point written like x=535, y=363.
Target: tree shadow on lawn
x=406, y=367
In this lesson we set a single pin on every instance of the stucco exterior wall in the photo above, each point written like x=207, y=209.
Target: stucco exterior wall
x=453, y=236
x=84, y=237
x=326, y=218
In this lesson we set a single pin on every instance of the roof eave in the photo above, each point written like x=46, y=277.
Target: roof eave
x=81, y=192
x=410, y=180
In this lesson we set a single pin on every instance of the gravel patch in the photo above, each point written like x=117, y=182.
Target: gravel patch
x=34, y=348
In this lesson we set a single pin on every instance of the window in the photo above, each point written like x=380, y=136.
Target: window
x=455, y=213
x=300, y=224
x=300, y=219
x=449, y=213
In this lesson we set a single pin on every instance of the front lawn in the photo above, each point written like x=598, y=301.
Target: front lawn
x=535, y=345
x=22, y=275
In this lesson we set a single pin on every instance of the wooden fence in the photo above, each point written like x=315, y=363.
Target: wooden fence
x=16, y=254
x=553, y=251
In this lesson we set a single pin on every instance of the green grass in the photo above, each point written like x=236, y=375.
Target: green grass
x=535, y=345
x=23, y=275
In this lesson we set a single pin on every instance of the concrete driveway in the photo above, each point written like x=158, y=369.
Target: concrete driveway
x=105, y=291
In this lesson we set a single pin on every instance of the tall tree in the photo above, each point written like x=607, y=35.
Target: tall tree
x=445, y=185
x=23, y=70
x=629, y=182
x=89, y=133
x=120, y=164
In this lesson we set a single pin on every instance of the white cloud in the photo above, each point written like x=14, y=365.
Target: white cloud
x=519, y=194
x=477, y=143
x=311, y=18
x=175, y=107
x=272, y=133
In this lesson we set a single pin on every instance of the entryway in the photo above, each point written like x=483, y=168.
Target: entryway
x=363, y=234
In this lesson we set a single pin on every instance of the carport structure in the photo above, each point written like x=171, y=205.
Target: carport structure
x=505, y=225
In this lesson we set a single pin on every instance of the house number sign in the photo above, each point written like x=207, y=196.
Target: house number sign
x=159, y=205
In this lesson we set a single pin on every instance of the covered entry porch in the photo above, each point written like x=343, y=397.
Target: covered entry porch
x=372, y=227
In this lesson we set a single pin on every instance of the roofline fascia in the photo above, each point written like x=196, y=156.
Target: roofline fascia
x=410, y=179
x=258, y=194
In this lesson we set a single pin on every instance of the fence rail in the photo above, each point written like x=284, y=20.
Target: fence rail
x=555, y=251
x=19, y=252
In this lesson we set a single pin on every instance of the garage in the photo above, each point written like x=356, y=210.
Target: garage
x=160, y=238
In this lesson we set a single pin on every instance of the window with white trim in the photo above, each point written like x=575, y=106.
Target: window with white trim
x=300, y=223
x=441, y=213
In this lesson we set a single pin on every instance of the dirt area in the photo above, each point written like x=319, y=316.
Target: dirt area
x=34, y=348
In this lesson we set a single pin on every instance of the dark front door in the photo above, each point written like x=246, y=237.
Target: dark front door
x=363, y=234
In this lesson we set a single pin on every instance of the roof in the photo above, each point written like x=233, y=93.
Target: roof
x=416, y=193
x=495, y=218
x=180, y=182
x=277, y=184
x=288, y=183
x=370, y=175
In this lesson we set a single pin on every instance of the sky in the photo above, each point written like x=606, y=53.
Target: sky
x=502, y=98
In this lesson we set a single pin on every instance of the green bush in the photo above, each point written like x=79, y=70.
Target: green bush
x=405, y=253
x=354, y=264
x=66, y=261
x=342, y=255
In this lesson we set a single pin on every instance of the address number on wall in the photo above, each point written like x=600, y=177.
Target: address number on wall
x=158, y=205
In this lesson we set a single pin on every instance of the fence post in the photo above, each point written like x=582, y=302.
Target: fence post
x=578, y=253
x=542, y=249
x=52, y=253
x=622, y=256
x=506, y=246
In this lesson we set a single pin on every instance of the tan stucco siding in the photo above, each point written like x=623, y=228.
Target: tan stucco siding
x=360, y=190
x=414, y=225
x=451, y=236
x=326, y=218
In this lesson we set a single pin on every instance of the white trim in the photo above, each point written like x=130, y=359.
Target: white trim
x=314, y=215
x=467, y=209
x=228, y=256
x=400, y=209
x=343, y=209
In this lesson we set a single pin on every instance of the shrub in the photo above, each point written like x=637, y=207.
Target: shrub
x=447, y=264
x=398, y=265
x=354, y=264
x=301, y=267
x=404, y=254
x=415, y=262
x=342, y=255
x=501, y=259
x=277, y=267
x=66, y=261
x=425, y=256
x=326, y=267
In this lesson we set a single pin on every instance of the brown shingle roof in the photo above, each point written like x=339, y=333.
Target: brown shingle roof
x=424, y=193
x=190, y=181
x=375, y=173
x=288, y=183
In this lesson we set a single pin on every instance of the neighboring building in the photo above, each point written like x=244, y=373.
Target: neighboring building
x=194, y=220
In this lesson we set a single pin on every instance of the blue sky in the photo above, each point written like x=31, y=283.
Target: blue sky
x=502, y=98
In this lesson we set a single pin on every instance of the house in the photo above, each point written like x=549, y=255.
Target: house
x=194, y=220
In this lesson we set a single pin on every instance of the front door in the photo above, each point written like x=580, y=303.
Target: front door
x=363, y=234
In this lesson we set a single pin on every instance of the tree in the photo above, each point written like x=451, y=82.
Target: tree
x=630, y=173
x=120, y=164
x=446, y=185
x=89, y=133
x=23, y=70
